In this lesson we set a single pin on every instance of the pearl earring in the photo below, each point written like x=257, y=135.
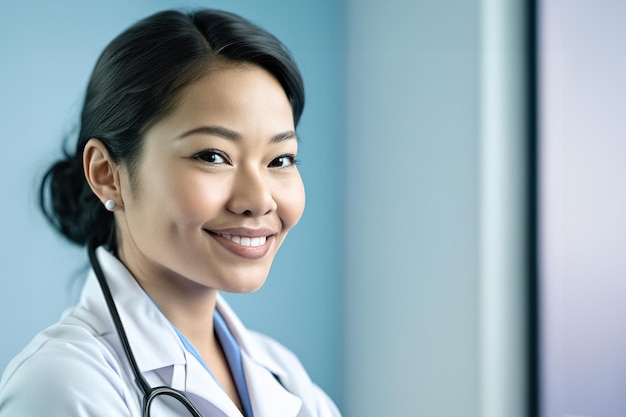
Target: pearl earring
x=109, y=205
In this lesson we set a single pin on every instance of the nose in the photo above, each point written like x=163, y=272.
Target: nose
x=251, y=193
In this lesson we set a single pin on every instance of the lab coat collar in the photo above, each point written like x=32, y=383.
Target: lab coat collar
x=159, y=352
x=248, y=347
x=263, y=372
x=145, y=325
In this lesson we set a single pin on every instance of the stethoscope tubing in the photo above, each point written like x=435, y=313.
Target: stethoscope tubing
x=149, y=393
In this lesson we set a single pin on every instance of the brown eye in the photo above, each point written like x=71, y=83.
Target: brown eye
x=212, y=157
x=283, y=161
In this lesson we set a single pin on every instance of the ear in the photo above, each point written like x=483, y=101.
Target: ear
x=101, y=172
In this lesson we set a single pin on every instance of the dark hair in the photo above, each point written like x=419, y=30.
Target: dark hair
x=136, y=81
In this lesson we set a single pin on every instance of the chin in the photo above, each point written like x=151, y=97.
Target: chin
x=249, y=286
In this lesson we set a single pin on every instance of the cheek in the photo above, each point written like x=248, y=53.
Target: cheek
x=291, y=203
x=193, y=199
x=173, y=195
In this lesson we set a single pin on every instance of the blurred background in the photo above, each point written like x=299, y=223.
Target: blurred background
x=464, y=165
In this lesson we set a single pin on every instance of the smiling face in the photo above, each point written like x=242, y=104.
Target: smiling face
x=216, y=189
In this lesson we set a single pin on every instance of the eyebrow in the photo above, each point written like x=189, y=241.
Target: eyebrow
x=229, y=134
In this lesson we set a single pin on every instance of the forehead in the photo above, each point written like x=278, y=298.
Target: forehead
x=233, y=95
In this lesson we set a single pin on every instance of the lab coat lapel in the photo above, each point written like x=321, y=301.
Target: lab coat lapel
x=267, y=395
x=153, y=341
x=204, y=391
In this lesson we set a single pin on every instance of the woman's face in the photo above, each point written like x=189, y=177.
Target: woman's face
x=216, y=189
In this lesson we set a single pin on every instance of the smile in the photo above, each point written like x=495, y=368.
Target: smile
x=244, y=240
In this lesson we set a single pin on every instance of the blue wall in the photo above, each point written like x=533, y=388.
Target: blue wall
x=412, y=142
x=47, y=51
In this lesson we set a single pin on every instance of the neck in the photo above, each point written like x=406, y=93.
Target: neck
x=190, y=313
x=188, y=305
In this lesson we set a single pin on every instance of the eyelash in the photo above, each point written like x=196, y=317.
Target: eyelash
x=203, y=156
x=292, y=161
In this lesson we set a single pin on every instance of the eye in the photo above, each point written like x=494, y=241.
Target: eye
x=211, y=156
x=283, y=161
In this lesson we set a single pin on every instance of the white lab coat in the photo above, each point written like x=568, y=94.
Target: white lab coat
x=77, y=367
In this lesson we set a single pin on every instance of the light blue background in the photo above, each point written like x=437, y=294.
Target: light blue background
x=47, y=52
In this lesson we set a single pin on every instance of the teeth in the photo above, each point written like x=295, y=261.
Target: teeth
x=246, y=241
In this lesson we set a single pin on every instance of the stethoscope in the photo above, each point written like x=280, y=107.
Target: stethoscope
x=149, y=393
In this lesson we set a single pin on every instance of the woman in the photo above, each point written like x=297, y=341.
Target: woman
x=183, y=183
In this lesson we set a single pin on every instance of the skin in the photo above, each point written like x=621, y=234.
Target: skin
x=220, y=165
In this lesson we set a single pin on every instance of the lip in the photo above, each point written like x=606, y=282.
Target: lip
x=243, y=231
x=247, y=252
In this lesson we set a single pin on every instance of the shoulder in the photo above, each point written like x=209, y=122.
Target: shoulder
x=292, y=375
x=63, y=371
